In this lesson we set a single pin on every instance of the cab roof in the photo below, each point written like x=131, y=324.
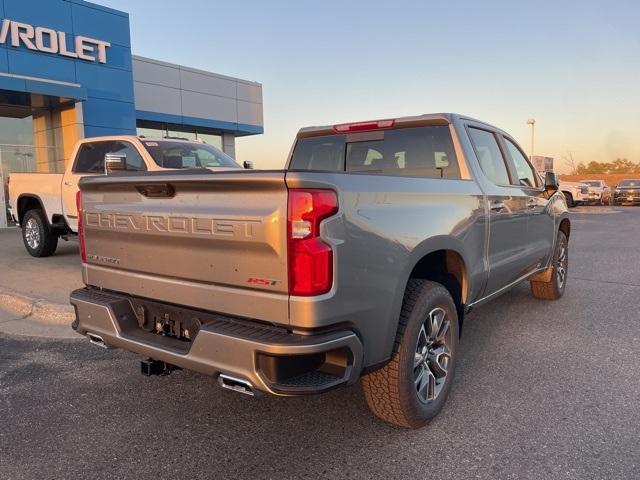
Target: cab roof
x=387, y=123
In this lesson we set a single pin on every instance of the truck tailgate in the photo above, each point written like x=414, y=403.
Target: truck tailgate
x=215, y=241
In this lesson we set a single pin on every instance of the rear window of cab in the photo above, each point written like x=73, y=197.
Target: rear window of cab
x=426, y=152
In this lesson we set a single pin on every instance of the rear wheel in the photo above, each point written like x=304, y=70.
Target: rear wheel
x=412, y=388
x=552, y=287
x=39, y=239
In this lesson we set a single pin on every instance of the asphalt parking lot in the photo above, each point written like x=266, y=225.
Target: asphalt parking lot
x=49, y=277
x=543, y=390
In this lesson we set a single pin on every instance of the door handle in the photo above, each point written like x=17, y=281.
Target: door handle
x=531, y=203
x=497, y=206
x=68, y=184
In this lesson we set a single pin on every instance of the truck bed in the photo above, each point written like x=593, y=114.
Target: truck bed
x=46, y=186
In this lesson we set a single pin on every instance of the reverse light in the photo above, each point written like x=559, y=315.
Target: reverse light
x=364, y=126
x=310, y=259
x=83, y=250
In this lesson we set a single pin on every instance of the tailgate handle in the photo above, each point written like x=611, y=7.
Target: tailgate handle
x=157, y=190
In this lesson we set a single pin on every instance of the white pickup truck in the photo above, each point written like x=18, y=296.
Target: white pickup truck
x=44, y=204
x=575, y=193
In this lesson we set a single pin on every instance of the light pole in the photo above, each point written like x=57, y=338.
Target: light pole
x=532, y=122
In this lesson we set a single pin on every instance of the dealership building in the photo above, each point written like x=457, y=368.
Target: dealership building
x=67, y=72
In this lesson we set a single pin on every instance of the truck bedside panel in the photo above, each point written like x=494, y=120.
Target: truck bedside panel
x=44, y=186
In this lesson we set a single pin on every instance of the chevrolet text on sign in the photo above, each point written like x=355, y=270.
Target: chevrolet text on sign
x=48, y=40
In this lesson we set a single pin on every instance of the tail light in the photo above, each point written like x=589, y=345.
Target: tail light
x=310, y=259
x=83, y=250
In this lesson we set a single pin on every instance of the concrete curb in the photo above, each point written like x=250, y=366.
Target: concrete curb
x=45, y=311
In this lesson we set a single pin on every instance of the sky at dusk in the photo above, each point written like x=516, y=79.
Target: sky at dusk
x=574, y=66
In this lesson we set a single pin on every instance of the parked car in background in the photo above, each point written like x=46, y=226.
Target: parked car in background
x=44, y=204
x=359, y=260
x=599, y=192
x=576, y=193
x=627, y=191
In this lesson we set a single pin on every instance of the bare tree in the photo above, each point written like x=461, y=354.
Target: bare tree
x=570, y=162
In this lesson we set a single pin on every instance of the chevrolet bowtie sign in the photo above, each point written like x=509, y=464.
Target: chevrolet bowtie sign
x=47, y=40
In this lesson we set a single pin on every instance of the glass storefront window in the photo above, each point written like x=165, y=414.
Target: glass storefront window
x=182, y=134
x=18, y=153
x=211, y=139
x=16, y=131
x=151, y=132
x=17, y=149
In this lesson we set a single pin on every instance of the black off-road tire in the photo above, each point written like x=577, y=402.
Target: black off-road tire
x=391, y=391
x=554, y=288
x=38, y=237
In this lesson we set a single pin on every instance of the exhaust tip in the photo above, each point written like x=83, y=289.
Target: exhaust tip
x=96, y=340
x=236, y=384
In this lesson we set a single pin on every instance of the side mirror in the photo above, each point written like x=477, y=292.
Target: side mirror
x=248, y=164
x=551, y=183
x=114, y=162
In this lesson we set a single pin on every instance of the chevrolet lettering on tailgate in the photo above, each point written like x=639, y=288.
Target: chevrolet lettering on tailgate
x=177, y=224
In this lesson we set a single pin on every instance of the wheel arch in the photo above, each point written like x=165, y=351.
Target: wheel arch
x=30, y=201
x=444, y=266
x=441, y=259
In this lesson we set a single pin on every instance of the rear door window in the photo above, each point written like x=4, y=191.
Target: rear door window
x=413, y=152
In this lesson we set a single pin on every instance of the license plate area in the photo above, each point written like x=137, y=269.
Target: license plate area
x=167, y=320
x=176, y=328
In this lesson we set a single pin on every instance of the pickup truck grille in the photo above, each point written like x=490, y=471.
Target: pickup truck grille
x=625, y=195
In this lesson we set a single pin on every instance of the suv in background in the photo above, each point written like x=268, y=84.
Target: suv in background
x=627, y=191
x=599, y=192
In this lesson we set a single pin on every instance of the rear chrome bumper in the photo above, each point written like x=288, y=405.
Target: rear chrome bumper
x=271, y=359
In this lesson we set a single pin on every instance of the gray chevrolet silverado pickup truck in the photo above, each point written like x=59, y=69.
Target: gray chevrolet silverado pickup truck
x=359, y=260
